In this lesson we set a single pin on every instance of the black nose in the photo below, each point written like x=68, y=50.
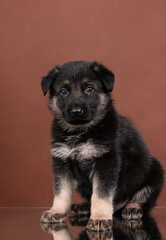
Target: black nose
x=76, y=111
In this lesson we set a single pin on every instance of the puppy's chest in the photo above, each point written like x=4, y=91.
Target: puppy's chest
x=84, y=153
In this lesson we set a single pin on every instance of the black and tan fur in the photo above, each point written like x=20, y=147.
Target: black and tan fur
x=95, y=150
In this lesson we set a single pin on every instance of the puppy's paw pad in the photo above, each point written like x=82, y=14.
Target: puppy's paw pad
x=132, y=211
x=52, y=216
x=99, y=225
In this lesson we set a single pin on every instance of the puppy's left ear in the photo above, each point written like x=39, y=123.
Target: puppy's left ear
x=106, y=76
x=47, y=81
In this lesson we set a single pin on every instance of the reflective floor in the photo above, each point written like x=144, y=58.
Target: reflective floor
x=24, y=224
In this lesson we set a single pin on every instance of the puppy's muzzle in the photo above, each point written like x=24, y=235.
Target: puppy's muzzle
x=78, y=114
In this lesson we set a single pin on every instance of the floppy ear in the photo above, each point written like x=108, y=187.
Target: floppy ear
x=46, y=81
x=106, y=76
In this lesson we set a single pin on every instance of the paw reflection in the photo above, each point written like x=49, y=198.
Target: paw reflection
x=140, y=229
x=50, y=227
x=79, y=220
x=132, y=225
x=59, y=231
x=99, y=235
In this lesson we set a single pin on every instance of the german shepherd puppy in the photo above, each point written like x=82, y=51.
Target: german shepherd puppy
x=95, y=150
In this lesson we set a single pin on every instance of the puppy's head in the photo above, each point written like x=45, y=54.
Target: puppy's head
x=79, y=92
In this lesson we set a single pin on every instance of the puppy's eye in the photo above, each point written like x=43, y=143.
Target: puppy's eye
x=89, y=90
x=64, y=92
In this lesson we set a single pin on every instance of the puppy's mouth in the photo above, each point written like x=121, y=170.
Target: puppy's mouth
x=78, y=121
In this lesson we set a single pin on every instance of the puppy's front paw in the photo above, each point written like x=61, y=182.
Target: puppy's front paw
x=99, y=225
x=132, y=211
x=52, y=216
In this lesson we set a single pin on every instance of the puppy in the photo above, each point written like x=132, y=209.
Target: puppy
x=95, y=150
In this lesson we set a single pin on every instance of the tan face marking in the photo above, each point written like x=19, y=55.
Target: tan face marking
x=85, y=80
x=53, y=106
x=67, y=82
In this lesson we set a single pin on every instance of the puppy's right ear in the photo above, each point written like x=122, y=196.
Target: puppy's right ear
x=46, y=81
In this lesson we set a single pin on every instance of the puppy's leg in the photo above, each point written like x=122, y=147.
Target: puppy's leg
x=133, y=209
x=62, y=200
x=145, y=199
x=101, y=208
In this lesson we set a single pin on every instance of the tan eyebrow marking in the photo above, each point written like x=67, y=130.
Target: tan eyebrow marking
x=67, y=82
x=85, y=80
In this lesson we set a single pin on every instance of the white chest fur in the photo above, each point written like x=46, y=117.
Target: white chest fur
x=87, y=150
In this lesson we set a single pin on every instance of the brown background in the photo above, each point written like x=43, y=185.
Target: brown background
x=127, y=36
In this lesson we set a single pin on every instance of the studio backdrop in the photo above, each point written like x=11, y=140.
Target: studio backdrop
x=127, y=36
